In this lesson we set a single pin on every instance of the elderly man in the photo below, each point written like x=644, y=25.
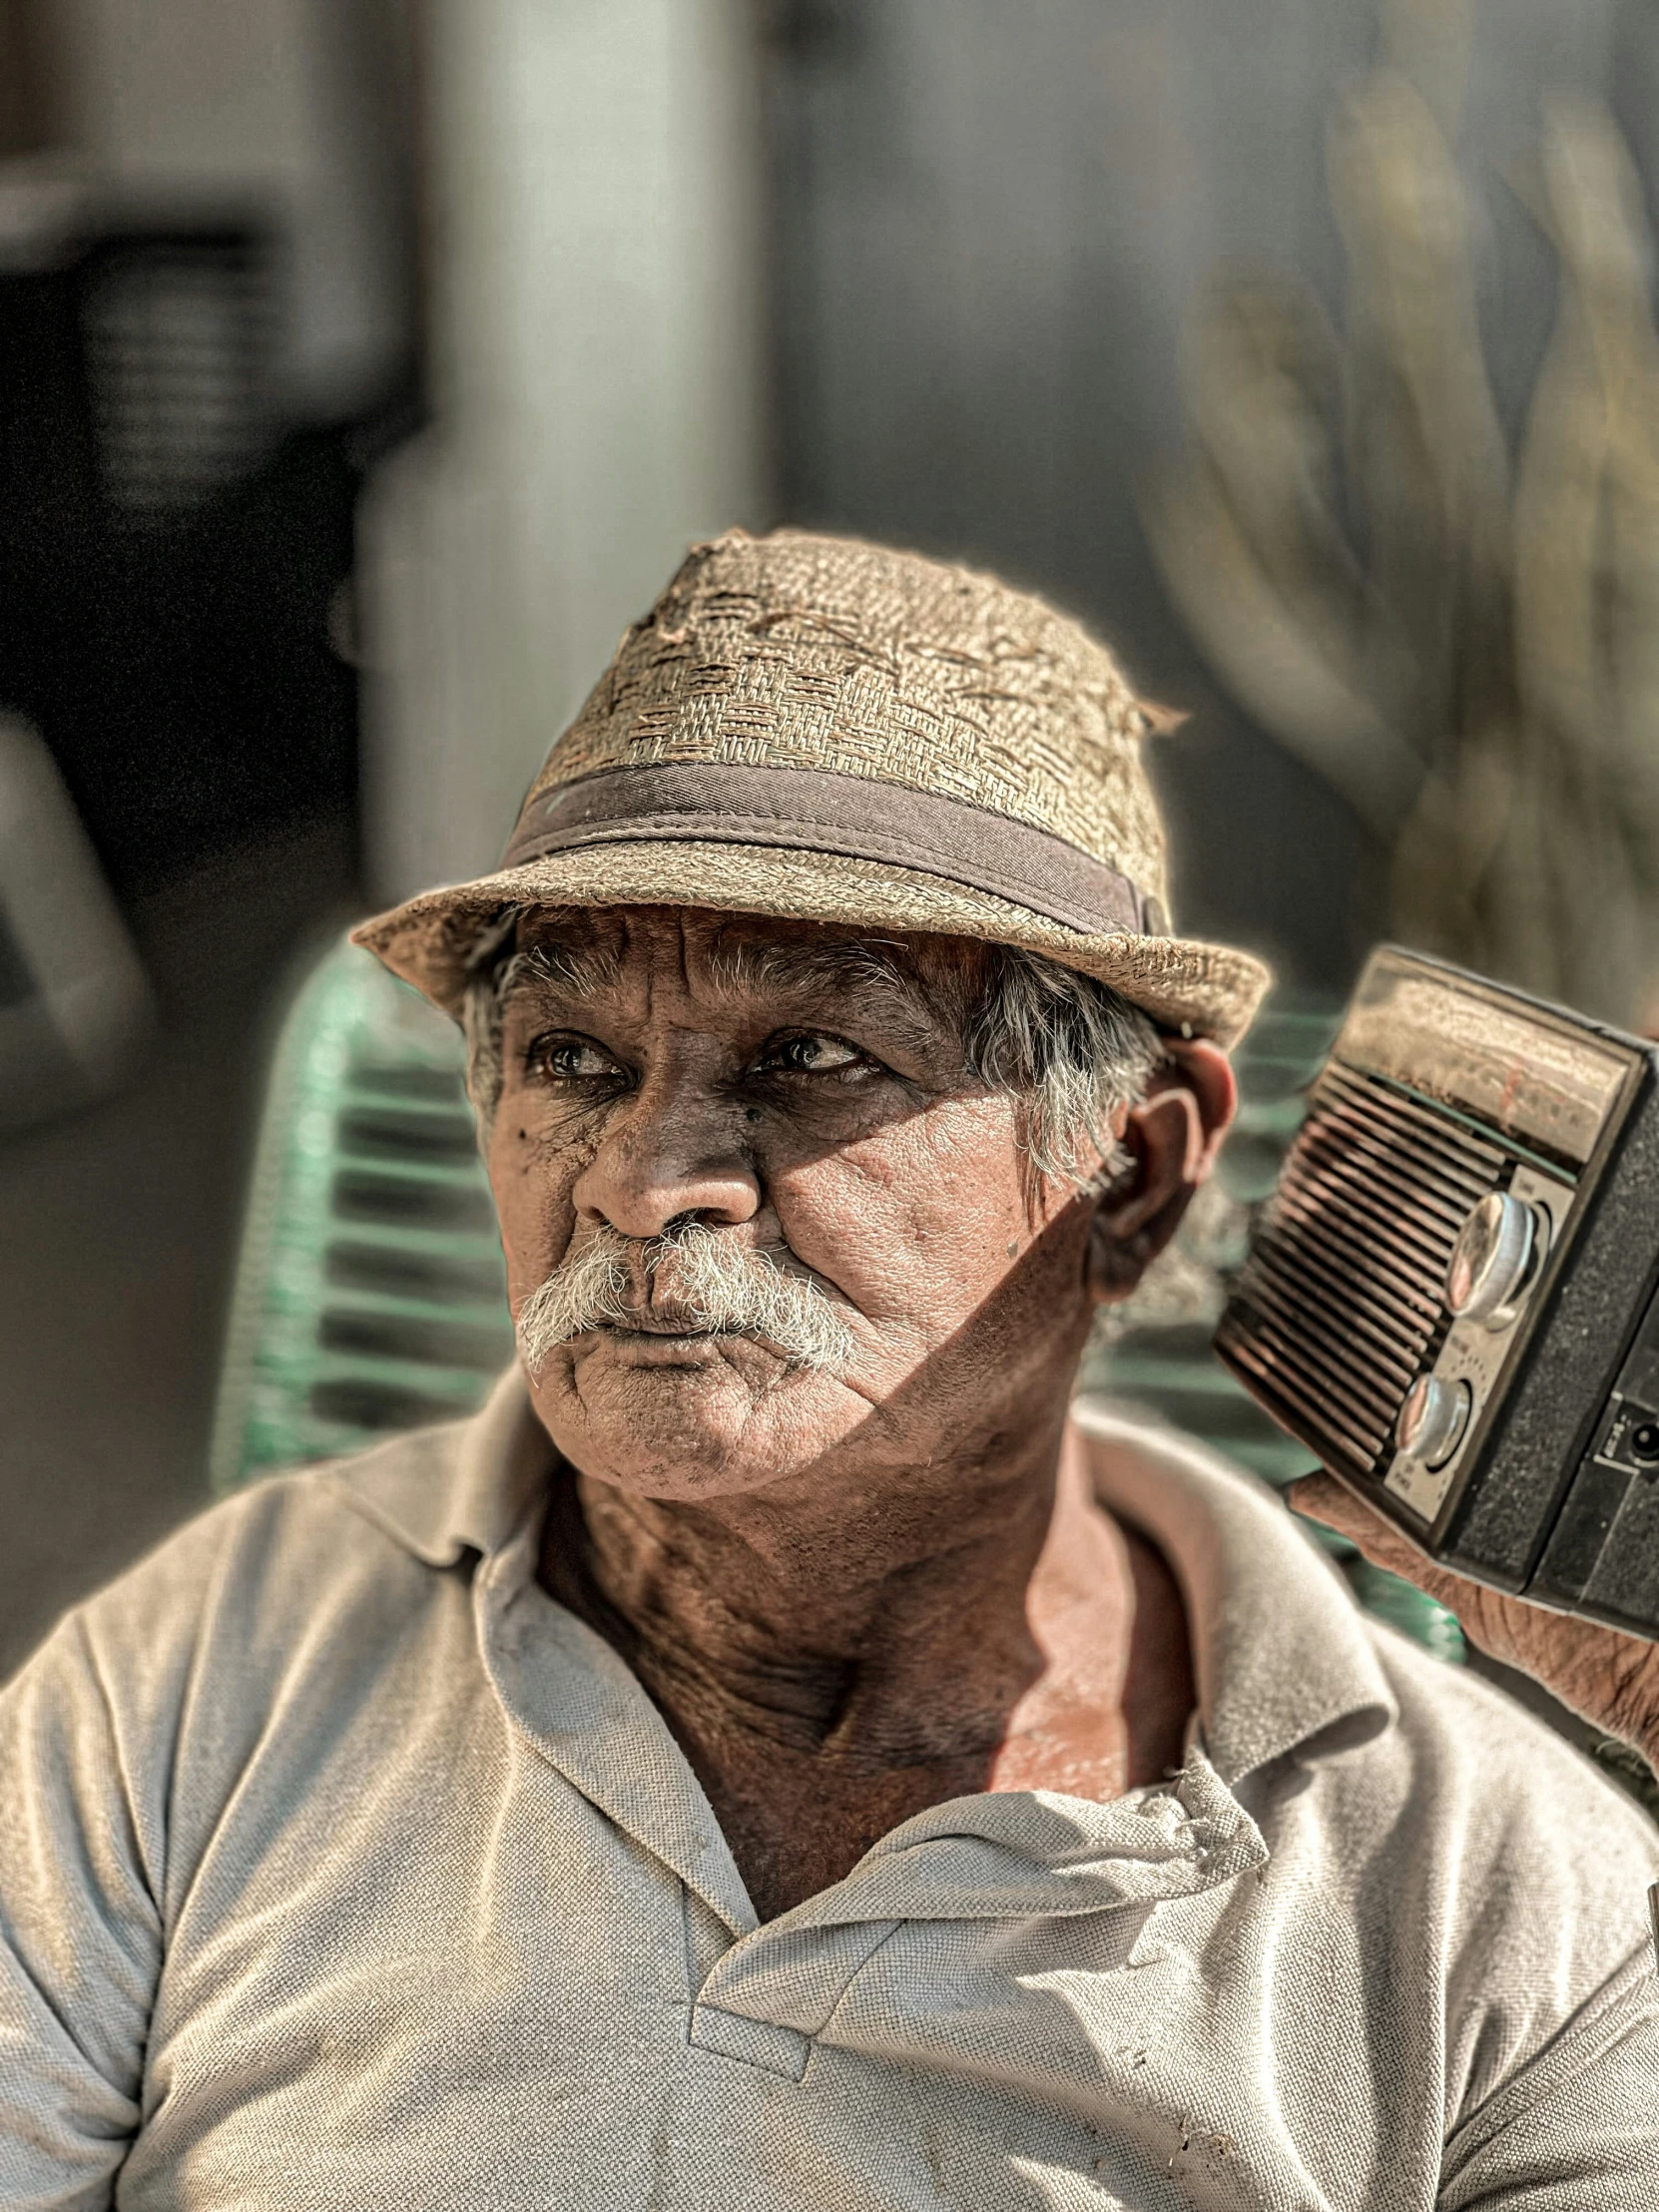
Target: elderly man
x=781, y=1754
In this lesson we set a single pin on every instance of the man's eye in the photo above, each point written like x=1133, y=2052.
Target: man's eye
x=811, y=1054
x=570, y=1059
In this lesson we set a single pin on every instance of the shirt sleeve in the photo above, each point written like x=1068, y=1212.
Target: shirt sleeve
x=1578, y=2126
x=80, y=1931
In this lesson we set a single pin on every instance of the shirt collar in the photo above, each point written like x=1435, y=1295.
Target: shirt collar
x=465, y=1487
x=1283, y=1662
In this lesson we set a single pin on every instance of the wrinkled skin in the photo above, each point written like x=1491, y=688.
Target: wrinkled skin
x=1608, y=1679
x=853, y=1595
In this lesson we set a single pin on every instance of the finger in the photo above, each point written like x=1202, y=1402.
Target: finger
x=1321, y=1497
x=1608, y=1679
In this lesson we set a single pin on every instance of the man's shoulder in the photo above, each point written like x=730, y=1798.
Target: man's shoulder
x=1499, y=1772
x=1473, y=1834
x=264, y=1563
x=218, y=1667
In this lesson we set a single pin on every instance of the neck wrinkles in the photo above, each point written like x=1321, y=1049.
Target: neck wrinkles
x=878, y=1623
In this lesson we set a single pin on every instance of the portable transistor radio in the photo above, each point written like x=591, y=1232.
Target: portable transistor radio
x=1452, y=1295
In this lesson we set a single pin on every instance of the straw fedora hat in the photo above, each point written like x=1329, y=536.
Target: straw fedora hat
x=827, y=731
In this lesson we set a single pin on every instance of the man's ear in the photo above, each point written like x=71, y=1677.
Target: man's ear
x=1172, y=1137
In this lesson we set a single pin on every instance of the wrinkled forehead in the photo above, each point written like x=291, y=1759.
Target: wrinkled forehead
x=599, y=950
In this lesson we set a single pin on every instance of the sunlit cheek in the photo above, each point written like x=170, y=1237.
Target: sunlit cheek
x=917, y=1226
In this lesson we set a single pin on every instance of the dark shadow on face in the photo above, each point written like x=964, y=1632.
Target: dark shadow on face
x=804, y=1092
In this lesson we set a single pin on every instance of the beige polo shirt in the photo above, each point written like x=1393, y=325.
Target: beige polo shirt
x=341, y=1868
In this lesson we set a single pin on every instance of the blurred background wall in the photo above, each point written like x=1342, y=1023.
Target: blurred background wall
x=367, y=364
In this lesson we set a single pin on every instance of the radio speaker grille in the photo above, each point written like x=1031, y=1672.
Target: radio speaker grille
x=1338, y=1306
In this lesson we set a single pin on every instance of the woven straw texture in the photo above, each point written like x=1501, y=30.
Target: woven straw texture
x=796, y=651
x=807, y=652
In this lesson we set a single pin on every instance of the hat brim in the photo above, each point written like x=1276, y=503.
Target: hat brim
x=1211, y=990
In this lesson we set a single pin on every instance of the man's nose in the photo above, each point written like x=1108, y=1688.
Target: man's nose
x=666, y=1154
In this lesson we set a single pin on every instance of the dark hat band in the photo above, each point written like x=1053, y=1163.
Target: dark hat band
x=855, y=818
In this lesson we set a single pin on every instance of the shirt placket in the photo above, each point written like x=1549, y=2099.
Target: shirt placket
x=575, y=1699
x=991, y=1860
x=762, y=1997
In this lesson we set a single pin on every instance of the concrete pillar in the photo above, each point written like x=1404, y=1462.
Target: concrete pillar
x=597, y=243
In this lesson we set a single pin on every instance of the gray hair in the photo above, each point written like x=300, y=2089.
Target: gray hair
x=1069, y=1048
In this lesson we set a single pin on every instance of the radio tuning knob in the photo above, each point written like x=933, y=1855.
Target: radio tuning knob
x=1494, y=1260
x=1432, y=1419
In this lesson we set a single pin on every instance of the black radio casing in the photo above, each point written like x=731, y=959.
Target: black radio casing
x=1441, y=1088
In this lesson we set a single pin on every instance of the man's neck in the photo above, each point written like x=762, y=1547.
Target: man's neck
x=836, y=1660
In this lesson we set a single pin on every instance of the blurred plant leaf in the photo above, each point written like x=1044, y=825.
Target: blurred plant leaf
x=1469, y=654
x=1248, y=539
x=1428, y=42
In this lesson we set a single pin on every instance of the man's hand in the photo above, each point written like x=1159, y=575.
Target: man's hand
x=1608, y=1679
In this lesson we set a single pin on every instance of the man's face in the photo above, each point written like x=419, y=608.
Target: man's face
x=761, y=1079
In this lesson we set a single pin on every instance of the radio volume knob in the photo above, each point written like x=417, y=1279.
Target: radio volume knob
x=1432, y=1419
x=1493, y=1260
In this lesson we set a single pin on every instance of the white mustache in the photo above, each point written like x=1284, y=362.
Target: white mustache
x=721, y=1286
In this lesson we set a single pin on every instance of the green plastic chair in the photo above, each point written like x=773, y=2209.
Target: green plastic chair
x=371, y=1296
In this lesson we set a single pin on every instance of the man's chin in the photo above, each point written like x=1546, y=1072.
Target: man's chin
x=688, y=1416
